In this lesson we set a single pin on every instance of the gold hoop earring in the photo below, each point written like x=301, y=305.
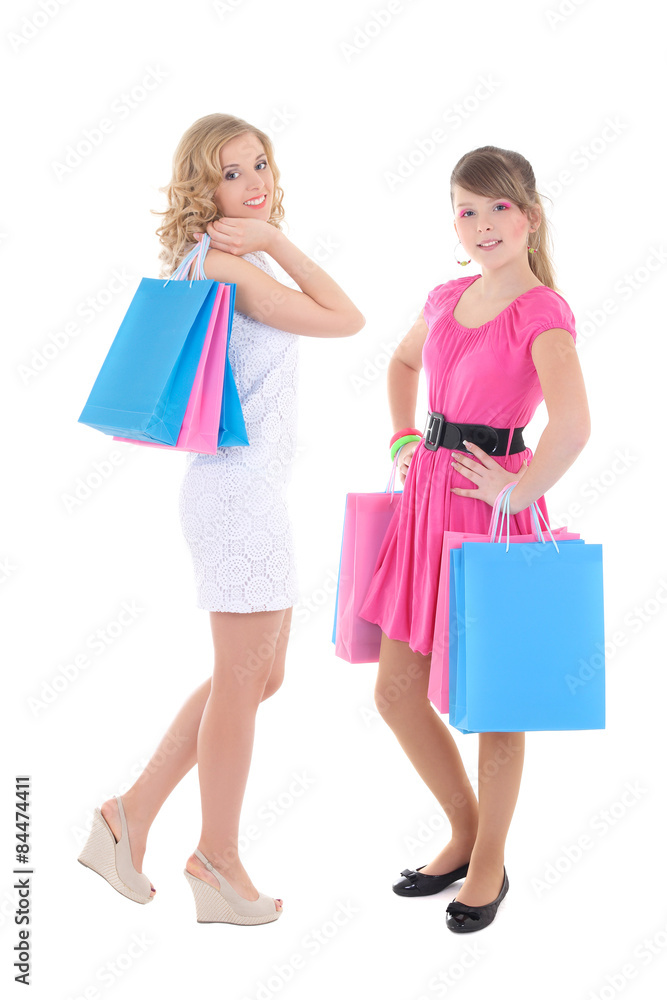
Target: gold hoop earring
x=534, y=249
x=462, y=262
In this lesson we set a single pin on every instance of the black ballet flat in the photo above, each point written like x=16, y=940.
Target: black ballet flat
x=414, y=884
x=462, y=918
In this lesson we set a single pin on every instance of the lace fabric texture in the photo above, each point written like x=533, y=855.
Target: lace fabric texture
x=232, y=504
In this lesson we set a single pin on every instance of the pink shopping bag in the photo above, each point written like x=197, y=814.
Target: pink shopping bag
x=438, y=687
x=201, y=422
x=367, y=518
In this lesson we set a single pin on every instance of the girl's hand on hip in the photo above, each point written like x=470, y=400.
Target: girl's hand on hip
x=405, y=457
x=485, y=472
x=239, y=236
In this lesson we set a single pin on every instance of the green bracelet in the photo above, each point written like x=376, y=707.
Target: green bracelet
x=401, y=441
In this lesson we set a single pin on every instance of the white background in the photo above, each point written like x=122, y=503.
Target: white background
x=343, y=99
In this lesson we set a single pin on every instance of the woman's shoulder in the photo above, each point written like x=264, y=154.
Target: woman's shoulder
x=442, y=295
x=551, y=293
x=543, y=299
x=543, y=308
x=451, y=286
x=260, y=259
x=229, y=268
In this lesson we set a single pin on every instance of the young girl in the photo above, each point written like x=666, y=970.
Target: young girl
x=492, y=346
x=233, y=514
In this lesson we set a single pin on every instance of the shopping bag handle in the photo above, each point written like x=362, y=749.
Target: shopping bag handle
x=197, y=254
x=499, y=505
x=502, y=507
x=495, y=514
x=392, y=475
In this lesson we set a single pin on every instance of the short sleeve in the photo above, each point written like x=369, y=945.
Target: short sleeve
x=436, y=300
x=549, y=312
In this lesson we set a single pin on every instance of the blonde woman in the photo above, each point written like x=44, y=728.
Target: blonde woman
x=233, y=514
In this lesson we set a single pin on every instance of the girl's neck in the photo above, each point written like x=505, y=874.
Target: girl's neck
x=503, y=283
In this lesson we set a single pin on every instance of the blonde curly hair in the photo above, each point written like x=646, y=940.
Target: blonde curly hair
x=196, y=173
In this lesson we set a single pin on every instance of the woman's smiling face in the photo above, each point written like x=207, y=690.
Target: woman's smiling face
x=246, y=177
x=497, y=222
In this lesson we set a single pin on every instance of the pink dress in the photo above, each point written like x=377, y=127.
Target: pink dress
x=479, y=375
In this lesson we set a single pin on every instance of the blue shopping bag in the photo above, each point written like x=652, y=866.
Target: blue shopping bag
x=143, y=387
x=526, y=643
x=232, y=425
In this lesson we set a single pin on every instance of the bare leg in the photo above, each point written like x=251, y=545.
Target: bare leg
x=246, y=646
x=401, y=698
x=501, y=758
x=175, y=755
x=478, y=832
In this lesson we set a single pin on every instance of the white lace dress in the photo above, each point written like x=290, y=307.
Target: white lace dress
x=232, y=504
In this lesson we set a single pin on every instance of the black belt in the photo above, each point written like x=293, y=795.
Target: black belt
x=441, y=433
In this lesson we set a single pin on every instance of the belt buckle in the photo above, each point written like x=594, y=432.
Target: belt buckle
x=433, y=430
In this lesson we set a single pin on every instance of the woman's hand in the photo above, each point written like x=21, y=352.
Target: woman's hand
x=239, y=236
x=483, y=470
x=405, y=457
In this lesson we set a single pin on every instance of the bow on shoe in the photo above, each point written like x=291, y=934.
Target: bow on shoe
x=409, y=873
x=463, y=910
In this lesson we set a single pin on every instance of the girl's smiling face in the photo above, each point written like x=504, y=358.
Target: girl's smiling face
x=495, y=221
x=246, y=177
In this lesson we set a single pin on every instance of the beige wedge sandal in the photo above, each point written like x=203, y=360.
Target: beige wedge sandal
x=112, y=859
x=224, y=905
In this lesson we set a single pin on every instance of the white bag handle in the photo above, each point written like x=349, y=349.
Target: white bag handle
x=502, y=506
x=392, y=475
x=197, y=253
